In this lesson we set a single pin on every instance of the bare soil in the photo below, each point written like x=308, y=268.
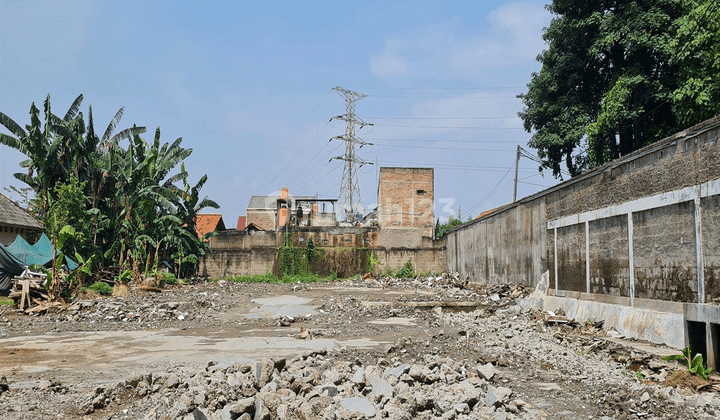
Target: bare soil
x=54, y=362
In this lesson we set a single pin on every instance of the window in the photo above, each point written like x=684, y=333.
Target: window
x=421, y=192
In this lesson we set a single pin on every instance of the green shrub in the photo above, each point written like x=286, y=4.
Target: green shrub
x=101, y=288
x=169, y=278
x=373, y=262
x=407, y=271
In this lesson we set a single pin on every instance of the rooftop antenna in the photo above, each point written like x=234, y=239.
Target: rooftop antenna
x=349, y=200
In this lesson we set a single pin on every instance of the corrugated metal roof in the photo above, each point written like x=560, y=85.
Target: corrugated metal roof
x=12, y=214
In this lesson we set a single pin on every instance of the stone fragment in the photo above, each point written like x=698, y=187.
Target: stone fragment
x=380, y=386
x=263, y=372
x=172, y=381
x=242, y=406
x=359, y=376
x=199, y=415
x=497, y=396
x=486, y=371
x=261, y=411
x=645, y=397
x=357, y=404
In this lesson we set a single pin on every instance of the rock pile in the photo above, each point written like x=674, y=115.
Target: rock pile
x=317, y=385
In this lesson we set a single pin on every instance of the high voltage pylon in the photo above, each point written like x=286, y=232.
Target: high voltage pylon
x=349, y=200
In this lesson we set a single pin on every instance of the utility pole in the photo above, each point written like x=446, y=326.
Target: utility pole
x=517, y=161
x=349, y=199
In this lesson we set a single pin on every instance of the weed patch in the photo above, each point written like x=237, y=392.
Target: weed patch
x=101, y=288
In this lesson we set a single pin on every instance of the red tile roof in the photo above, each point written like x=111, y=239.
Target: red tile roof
x=242, y=222
x=205, y=223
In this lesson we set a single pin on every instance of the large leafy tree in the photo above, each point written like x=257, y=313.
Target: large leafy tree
x=618, y=75
x=127, y=194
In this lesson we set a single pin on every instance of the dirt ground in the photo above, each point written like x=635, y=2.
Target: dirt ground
x=53, y=363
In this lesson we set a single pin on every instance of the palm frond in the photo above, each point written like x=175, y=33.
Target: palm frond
x=207, y=203
x=13, y=142
x=113, y=123
x=127, y=133
x=72, y=111
x=11, y=125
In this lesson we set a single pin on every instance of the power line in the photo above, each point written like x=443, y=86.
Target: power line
x=492, y=191
x=444, y=97
x=445, y=118
x=440, y=88
x=296, y=156
x=451, y=127
x=286, y=142
x=443, y=148
x=442, y=140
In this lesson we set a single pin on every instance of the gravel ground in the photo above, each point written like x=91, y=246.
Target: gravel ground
x=450, y=351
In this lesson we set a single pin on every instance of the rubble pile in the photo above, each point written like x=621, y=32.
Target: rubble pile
x=318, y=385
x=454, y=350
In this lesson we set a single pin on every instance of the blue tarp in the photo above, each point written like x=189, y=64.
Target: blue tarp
x=10, y=266
x=40, y=253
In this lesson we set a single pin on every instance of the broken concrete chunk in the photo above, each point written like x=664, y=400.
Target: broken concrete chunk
x=359, y=376
x=486, y=371
x=357, y=404
x=497, y=396
x=380, y=386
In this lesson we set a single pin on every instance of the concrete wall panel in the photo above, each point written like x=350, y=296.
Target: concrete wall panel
x=664, y=250
x=711, y=246
x=571, y=258
x=609, y=256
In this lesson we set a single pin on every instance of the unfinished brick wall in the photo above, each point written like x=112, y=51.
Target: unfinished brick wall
x=405, y=199
x=262, y=218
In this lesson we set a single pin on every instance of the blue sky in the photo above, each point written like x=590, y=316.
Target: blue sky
x=248, y=87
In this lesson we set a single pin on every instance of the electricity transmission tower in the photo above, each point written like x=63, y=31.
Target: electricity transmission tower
x=349, y=200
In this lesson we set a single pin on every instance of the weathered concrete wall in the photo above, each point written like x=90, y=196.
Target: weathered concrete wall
x=664, y=248
x=571, y=259
x=507, y=246
x=639, y=232
x=400, y=238
x=243, y=253
x=711, y=246
x=609, y=256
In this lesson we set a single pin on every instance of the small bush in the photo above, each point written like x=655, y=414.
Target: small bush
x=407, y=271
x=168, y=278
x=101, y=288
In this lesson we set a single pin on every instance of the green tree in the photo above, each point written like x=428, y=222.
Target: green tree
x=696, y=47
x=611, y=79
x=121, y=204
x=443, y=228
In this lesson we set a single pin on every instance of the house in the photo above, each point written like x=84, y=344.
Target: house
x=206, y=223
x=272, y=212
x=14, y=220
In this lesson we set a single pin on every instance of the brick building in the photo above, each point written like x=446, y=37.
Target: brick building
x=405, y=199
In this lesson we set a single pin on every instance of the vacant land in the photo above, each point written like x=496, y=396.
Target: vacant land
x=386, y=348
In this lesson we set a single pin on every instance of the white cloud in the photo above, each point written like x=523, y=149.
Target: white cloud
x=389, y=65
x=512, y=37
